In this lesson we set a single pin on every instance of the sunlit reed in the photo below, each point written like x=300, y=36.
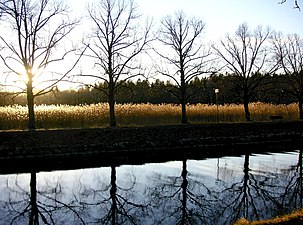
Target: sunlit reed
x=97, y=115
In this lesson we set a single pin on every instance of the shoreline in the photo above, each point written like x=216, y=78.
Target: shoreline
x=158, y=135
x=74, y=148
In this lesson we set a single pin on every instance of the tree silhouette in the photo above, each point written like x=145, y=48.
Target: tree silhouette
x=114, y=45
x=32, y=46
x=188, y=57
x=247, y=57
x=289, y=55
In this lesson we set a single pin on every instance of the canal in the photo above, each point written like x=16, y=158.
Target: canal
x=185, y=190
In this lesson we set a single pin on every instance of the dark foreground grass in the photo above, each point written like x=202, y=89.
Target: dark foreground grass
x=294, y=218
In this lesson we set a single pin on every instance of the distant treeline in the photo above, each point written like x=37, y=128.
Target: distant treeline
x=274, y=90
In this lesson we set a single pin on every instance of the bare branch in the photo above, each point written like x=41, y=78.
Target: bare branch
x=182, y=38
x=296, y=4
x=115, y=43
x=38, y=27
x=246, y=55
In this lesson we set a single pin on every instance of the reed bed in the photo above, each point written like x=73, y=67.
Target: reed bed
x=97, y=115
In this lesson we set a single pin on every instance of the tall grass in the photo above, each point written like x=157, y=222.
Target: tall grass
x=97, y=115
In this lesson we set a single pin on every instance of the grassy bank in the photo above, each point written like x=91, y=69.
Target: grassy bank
x=57, y=149
x=294, y=218
x=96, y=115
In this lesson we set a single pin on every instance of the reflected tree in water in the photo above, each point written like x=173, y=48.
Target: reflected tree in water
x=298, y=189
x=243, y=199
x=115, y=205
x=188, y=197
x=262, y=194
x=33, y=207
x=281, y=190
x=186, y=201
x=290, y=183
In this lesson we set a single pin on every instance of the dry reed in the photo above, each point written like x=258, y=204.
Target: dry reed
x=97, y=115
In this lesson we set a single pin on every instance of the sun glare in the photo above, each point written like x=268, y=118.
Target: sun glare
x=42, y=78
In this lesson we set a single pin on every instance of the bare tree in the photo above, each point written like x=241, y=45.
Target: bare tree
x=248, y=57
x=37, y=27
x=115, y=43
x=289, y=54
x=188, y=58
x=296, y=4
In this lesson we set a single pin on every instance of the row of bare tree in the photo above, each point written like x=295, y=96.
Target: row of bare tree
x=36, y=38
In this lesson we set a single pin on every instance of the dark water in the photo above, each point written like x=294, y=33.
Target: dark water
x=210, y=191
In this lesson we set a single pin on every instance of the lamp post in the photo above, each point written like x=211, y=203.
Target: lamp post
x=217, y=93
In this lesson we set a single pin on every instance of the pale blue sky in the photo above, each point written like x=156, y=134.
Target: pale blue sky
x=219, y=16
x=222, y=16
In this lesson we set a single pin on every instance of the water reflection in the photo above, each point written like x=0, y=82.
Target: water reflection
x=211, y=191
x=182, y=199
x=112, y=203
x=46, y=204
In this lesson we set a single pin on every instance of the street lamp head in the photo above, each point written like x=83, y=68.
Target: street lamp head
x=216, y=90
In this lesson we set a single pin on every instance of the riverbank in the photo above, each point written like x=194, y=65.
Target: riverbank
x=294, y=218
x=46, y=149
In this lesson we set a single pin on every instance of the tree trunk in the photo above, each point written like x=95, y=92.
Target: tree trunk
x=246, y=186
x=34, y=219
x=184, y=115
x=183, y=97
x=300, y=177
x=112, y=116
x=184, y=187
x=246, y=111
x=111, y=103
x=30, y=106
x=113, y=193
x=246, y=108
x=300, y=105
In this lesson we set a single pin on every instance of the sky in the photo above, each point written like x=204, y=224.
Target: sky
x=224, y=16
x=220, y=16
